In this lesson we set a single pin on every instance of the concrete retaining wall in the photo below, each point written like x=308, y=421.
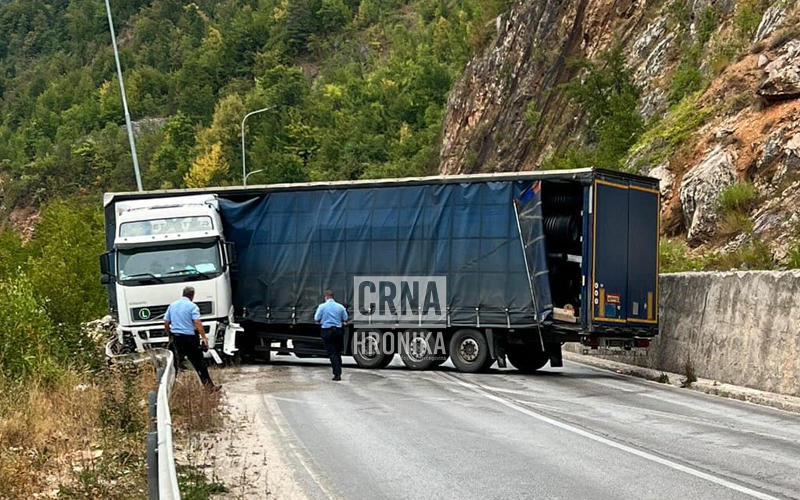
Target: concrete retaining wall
x=741, y=328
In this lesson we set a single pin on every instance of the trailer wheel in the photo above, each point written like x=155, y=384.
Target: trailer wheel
x=470, y=351
x=368, y=350
x=418, y=350
x=527, y=359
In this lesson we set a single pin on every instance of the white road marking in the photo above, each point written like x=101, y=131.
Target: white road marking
x=633, y=451
x=294, y=443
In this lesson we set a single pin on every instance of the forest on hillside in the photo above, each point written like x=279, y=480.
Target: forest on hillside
x=357, y=89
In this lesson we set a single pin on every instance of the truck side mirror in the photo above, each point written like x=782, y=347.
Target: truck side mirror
x=106, y=267
x=233, y=259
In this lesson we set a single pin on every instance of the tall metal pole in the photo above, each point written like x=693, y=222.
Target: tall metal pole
x=244, y=160
x=124, y=100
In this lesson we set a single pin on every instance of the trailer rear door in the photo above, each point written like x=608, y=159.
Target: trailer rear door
x=624, y=252
x=643, y=218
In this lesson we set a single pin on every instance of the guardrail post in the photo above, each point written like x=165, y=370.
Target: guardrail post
x=151, y=442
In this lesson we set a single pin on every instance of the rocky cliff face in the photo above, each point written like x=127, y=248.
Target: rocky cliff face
x=739, y=123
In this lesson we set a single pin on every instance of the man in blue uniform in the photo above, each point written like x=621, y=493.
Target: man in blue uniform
x=182, y=324
x=331, y=316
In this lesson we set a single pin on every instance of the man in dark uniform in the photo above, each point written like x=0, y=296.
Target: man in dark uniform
x=182, y=324
x=331, y=316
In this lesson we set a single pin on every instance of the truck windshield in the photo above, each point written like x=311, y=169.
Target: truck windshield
x=173, y=262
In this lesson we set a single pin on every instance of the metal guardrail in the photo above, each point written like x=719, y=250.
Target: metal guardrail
x=167, y=475
x=162, y=478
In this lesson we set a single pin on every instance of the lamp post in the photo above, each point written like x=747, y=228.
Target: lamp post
x=245, y=175
x=124, y=100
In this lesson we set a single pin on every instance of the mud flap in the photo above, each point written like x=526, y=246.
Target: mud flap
x=554, y=352
x=229, y=341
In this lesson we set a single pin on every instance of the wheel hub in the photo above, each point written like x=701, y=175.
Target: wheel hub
x=417, y=349
x=368, y=347
x=469, y=350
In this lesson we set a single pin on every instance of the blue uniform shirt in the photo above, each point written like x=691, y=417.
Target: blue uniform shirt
x=181, y=315
x=330, y=314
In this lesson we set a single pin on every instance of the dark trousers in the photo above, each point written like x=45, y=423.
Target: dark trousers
x=334, y=344
x=188, y=346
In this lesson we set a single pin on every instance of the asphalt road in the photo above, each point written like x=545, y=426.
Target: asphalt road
x=570, y=433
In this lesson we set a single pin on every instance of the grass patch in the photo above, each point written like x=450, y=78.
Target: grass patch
x=734, y=204
x=193, y=408
x=194, y=484
x=733, y=223
x=80, y=435
x=794, y=254
x=663, y=378
x=674, y=257
x=740, y=197
x=665, y=136
x=753, y=255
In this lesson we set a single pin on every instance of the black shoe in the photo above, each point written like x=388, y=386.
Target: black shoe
x=337, y=378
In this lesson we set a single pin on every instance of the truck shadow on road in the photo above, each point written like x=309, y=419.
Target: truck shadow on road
x=568, y=372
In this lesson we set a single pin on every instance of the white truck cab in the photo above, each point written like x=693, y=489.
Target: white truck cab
x=162, y=245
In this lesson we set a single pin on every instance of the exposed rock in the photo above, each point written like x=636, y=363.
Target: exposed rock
x=699, y=191
x=791, y=158
x=783, y=75
x=665, y=177
x=653, y=32
x=653, y=103
x=100, y=329
x=771, y=19
x=762, y=60
x=146, y=125
x=654, y=62
x=484, y=126
x=24, y=220
x=772, y=150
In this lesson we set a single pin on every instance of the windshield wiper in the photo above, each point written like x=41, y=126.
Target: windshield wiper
x=141, y=275
x=189, y=270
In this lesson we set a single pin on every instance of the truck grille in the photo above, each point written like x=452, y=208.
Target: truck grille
x=156, y=313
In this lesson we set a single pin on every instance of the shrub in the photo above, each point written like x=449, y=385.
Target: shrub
x=26, y=332
x=608, y=95
x=687, y=78
x=690, y=377
x=51, y=288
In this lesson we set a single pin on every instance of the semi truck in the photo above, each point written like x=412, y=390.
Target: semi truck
x=477, y=269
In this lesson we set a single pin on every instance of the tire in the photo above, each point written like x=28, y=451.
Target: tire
x=469, y=351
x=527, y=359
x=368, y=350
x=248, y=352
x=418, y=350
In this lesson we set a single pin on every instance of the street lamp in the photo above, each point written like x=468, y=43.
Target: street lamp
x=251, y=173
x=245, y=175
x=124, y=100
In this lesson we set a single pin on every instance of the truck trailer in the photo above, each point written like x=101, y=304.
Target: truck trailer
x=472, y=268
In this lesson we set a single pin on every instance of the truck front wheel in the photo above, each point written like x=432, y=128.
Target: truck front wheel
x=369, y=350
x=527, y=359
x=469, y=351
